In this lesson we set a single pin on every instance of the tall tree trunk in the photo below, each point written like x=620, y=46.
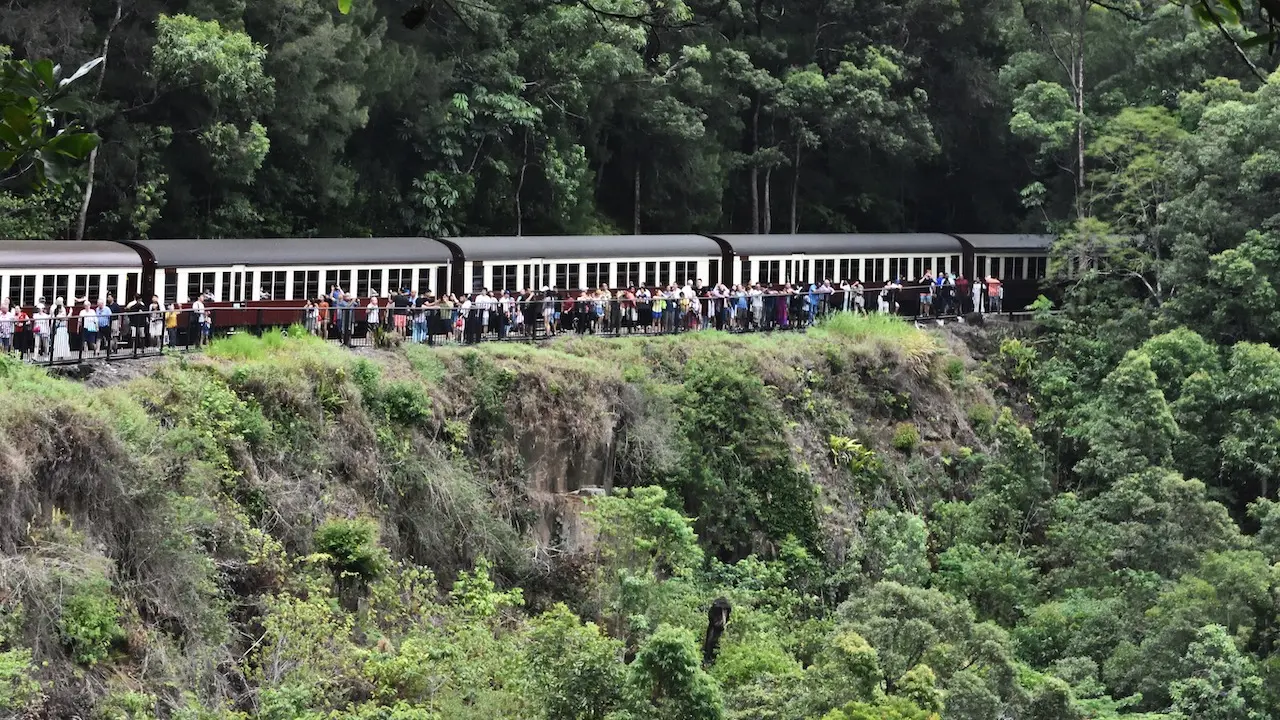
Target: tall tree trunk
x=635, y=197
x=755, y=170
x=1079, y=93
x=767, y=219
x=795, y=190
x=93, y=155
x=524, y=167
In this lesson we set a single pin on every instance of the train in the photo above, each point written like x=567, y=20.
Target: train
x=264, y=274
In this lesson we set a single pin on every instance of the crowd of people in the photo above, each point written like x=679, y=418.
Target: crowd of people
x=425, y=317
x=61, y=331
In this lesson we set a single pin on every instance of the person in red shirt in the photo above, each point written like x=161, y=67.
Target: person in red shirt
x=23, y=339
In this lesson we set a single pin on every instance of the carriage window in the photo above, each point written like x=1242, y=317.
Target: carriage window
x=650, y=273
x=713, y=270
x=1019, y=267
x=363, y=281
x=877, y=274
x=594, y=273
x=824, y=270
x=197, y=283
x=1040, y=268
x=95, y=288
x=994, y=267
x=504, y=277
x=53, y=287
x=424, y=279
x=685, y=271
x=894, y=269
x=22, y=288
x=955, y=265
x=628, y=274
x=276, y=282
x=917, y=268
x=845, y=270
x=664, y=273
x=227, y=281
x=567, y=276
x=770, y=272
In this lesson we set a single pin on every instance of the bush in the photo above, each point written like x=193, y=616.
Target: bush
x=406, y=403
x=906, y=437
x=18, y=689
x=352, y=546
x=981, y=416
x=90, y=622
x=955, y=370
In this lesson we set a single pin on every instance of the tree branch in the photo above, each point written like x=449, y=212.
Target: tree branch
x=1257, y=72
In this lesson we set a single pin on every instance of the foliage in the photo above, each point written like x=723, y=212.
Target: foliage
x=36, y=145
x=90, y=622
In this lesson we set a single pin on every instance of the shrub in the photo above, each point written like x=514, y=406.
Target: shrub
x=906, y=437
x=18, y=690
x=955, y=370
x=406, y=403
x=981, y=416
x=352, y=546
x=90, y=622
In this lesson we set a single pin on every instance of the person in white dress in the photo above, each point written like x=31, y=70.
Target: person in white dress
x=61, y=339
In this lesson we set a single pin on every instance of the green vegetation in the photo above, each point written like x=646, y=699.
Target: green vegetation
x=362, y=536
x=1077, y=520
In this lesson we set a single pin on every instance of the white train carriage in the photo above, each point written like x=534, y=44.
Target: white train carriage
x=74, y=271
x=245, y=270
x=580, y=262
x=871, y=258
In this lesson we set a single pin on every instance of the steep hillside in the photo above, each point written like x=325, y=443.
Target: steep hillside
x=283, y=529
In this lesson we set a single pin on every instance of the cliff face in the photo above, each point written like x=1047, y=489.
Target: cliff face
x=184, y=497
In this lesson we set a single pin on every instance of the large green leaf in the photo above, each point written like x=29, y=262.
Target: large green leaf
x=17, y=119
x=76, y=145
x=344, y=6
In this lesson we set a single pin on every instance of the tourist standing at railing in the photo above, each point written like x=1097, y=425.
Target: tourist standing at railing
x=114, y=328
x=994, y=294
x=6, y=327
x=155, y=322
x=171, y=326
x=88, y=328
x=371, y=316
x=106, y=322
x=61, y=332
x=23, y=337
x=41, y=329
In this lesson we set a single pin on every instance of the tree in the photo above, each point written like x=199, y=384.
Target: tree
x=39, y=140
x=1220, y=682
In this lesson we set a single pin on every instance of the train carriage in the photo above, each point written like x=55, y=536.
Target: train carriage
x=49, y=269
x=569, y=262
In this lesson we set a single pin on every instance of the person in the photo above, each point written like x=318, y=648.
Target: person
x=88, y=328
x=115, y=328
x=6, y=327
x=171, y=326
x=199, y=321
x=108, y=327
x=61, y=335
x=23, y=338
x=962, y=293
x=40, y=328
x=993, y=294
x=137, y=314
x=371, y=316
x=155, y=322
